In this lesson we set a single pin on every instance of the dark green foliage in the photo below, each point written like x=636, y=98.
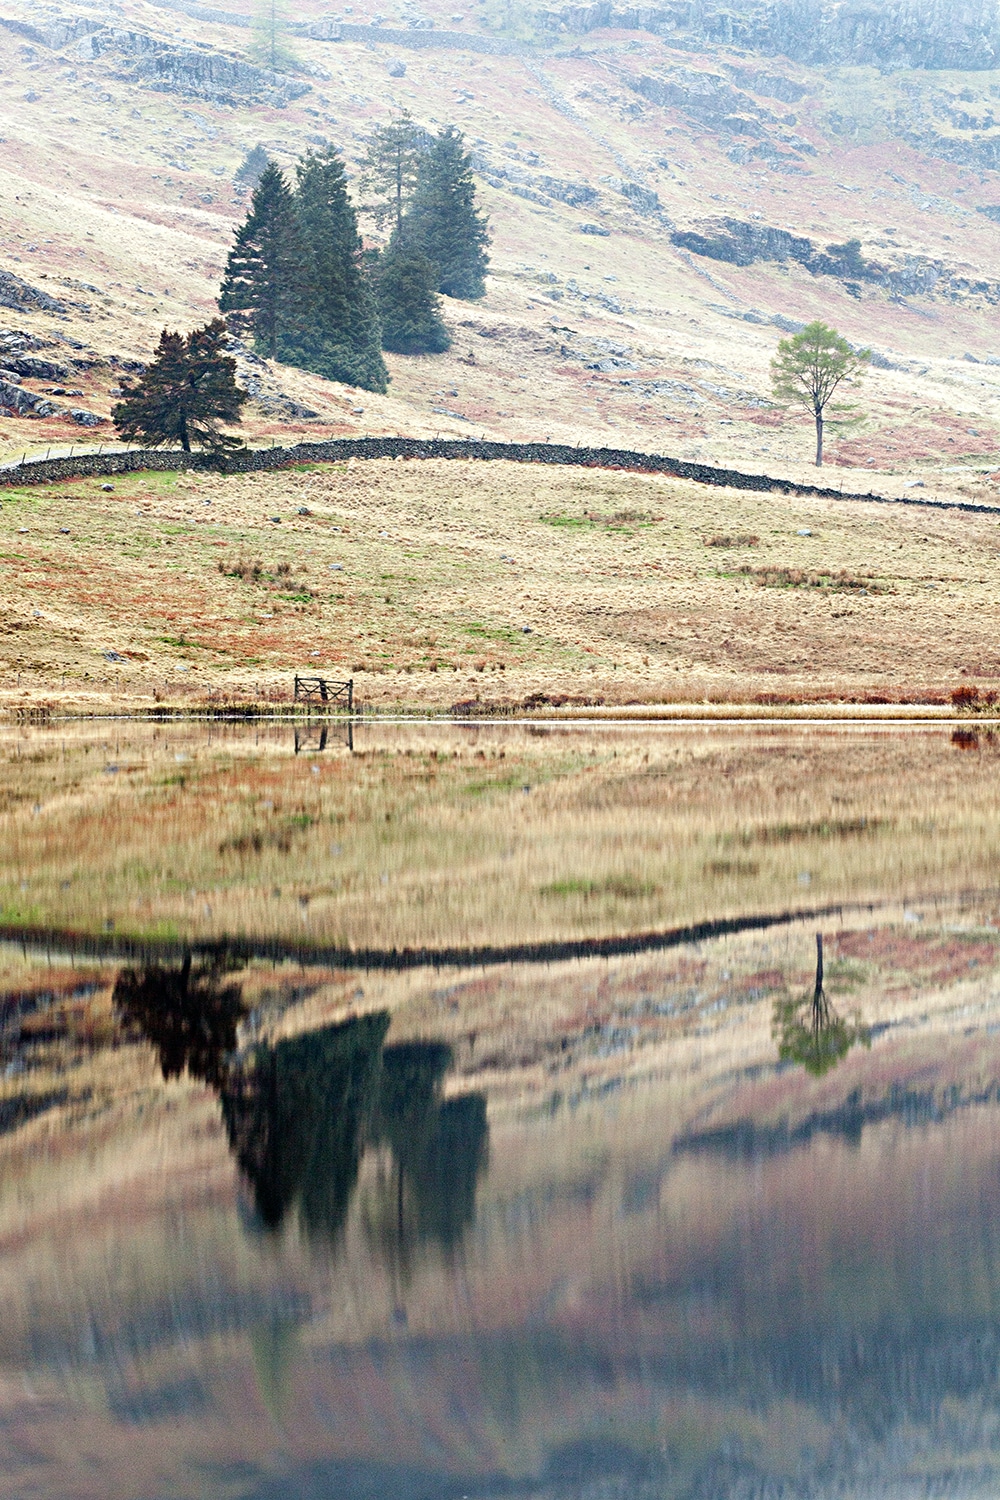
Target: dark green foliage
x=184, y=395
x=297, y=1121
x=252, y=167
x=191, y=1019
x=408, y=304
x=390, y=168
x=265, y=266
x=340, y=339
x=444, y=223
x=299, y=1117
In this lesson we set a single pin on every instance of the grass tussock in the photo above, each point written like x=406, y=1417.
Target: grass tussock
x=841, y=582
x=734, y=540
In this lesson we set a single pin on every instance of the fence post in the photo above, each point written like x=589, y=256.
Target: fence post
x=350, y=696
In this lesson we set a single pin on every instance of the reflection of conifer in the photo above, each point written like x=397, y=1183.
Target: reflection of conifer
x=300, y=1115
x=190, y=1019
x=439, y=1150
x=296, y=1116
x=809, y=1032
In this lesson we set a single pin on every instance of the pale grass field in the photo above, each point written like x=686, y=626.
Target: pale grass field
x=500, y=585
x=439, y=837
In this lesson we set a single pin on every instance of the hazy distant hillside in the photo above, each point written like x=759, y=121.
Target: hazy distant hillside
x=669, y=187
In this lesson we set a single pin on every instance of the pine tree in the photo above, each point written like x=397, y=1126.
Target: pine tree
x=269, y=25
x=407, y=302
x=390, y=167
x=183, y=396
x=444, y=223
x=341, y=337
x=264, y=269
x=252, y=167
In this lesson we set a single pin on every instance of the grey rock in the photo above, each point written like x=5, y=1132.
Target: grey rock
x=594, y=229
x=35, y=369
x=396, y=69
x=86, y=418
x=23, y=297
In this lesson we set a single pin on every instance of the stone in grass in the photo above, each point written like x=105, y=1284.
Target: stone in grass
x=397, y=69
x=86, y=418
x=594, y=229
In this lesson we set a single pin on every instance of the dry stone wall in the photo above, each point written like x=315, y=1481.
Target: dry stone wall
x=339, y=450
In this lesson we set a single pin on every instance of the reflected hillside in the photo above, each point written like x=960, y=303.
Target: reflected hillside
x=465, y=840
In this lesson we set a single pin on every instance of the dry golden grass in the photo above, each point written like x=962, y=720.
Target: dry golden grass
x=435, y=583
x=440, y=837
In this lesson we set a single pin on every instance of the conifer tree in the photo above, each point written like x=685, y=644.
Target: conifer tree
x=390, y=167
x=408, y=304
x=184, y=394
x=264, y=269
x=340, y=337
x=252, y=167
x=444, y=223
x=268, y=26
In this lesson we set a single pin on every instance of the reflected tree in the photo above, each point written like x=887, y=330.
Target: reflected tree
x=300, y=1115
x=439, y=1149
x=190, y=1016
x=810, y=1032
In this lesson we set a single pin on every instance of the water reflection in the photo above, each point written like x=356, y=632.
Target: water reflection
x=810, y=1032
x=300, y=1115
x=190, y=1017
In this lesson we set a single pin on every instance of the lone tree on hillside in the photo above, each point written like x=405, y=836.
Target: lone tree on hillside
x=184, y=395
x=264, y=270
x=810, y=366
x=444, y=223
x=268, y=27
x=390, y=166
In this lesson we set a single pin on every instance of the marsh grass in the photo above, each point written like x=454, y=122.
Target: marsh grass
x=437, y=835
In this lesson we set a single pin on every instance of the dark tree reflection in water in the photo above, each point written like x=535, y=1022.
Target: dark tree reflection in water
x=301, y=1114
x=810, y=1032
x=190, y=1018
x=438, y=1149
x=298, y=1118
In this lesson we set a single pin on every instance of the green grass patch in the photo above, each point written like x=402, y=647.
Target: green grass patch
x=623, y=887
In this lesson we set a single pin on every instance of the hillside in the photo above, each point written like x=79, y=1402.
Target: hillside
x=663, y=201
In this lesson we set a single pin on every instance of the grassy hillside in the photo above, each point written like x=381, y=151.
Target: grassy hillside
x=442, y=583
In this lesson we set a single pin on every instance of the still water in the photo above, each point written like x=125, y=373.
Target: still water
x=441, y=1112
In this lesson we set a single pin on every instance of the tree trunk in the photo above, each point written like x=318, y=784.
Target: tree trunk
x=185, y=441
x=819, y=440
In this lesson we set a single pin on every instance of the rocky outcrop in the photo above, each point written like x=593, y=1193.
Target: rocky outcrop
x=743, y=244
x=23, y=297
x=710, y=101
x=30, y=367
x=196, y=72
x=890, y=34
x=17, y=402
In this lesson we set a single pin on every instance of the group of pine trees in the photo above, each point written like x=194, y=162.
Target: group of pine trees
x=299, y=277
